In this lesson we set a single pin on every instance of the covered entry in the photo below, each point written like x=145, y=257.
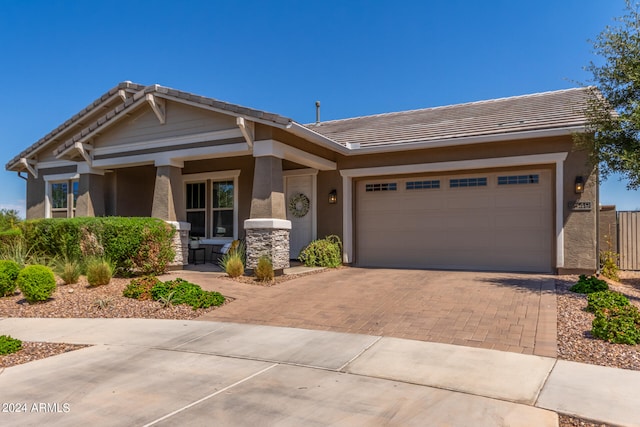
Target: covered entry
x=499, y=221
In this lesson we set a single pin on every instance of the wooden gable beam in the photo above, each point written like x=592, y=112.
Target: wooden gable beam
x=247, y=129
x=86, y=151
x=158, y=105
x=31, y=166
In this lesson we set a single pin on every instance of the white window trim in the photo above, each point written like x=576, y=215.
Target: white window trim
x=52, y=179
x=216, y=176
x=535, y=159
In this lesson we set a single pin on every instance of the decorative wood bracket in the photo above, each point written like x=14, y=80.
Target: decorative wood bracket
x=248, y=130
x=158, y=105
x=86, y=151
x=31, y=166
x=123, y=94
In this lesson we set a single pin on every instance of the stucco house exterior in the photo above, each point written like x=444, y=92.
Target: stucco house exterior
x=490, y=185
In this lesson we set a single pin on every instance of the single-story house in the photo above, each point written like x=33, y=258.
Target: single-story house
x=490, y=185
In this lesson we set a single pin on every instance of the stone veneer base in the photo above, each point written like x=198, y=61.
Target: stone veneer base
x=180, y=244
x=266, y=236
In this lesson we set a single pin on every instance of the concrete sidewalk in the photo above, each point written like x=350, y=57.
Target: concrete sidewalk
x=173, y=372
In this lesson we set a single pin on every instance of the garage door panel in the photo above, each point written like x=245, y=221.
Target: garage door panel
x=493, y=227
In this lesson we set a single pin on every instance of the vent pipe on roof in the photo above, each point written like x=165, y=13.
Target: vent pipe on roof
x=317, y=113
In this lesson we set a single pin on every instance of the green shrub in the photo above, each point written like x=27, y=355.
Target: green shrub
x=36, y=282
x=605, y=300
x=140, y=288
x=99, y=272
x=9, y=219
x=9, y=271
x=326, y=252
x=609, y=265
x=134, y=245
x=587, y=285
x=180, y=291
x=9, y=237
x=264, y=270
x=69, y=271
x=619, y=325
x=9, y=345
x=233, y=261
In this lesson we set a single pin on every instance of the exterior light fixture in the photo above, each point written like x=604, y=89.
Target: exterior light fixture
x=333, y=197
x=579, y=185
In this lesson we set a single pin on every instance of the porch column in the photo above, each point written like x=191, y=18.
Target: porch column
x=168, y=204
x=267, y=229
x=91, y=184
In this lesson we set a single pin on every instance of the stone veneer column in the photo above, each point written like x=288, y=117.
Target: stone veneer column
x=180, y=244
x=90, y=200
x=267, y=229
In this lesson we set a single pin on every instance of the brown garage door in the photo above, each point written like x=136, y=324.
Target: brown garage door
x=484, y=221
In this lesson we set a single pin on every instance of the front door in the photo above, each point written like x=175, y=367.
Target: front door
x=301, y=208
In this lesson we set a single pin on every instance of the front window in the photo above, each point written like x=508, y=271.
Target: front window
x=223, y=205
x=210, y=201
x=64, y=196
x=196, y=208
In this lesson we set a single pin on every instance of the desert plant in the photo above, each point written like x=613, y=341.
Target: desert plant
x=619, y=325
x=69, y=271
x=232, y=262
x=264, y=270
x=325, y=252
x=102, y=303
x=140, y=288
x=9, y=345
x=605, y=300
x=609, y=265
x=587, y=285
x=99, y=272
x=36, y=282
x=180, y=291
x=9, y=271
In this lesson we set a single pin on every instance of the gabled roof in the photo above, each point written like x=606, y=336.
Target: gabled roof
x=563, y=109
x=137, y=96
x=107, y=100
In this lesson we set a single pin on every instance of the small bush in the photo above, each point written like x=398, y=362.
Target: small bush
x=587, y=285
x=609, y=265
x=9, y=271
x=618, y=325
x=36, y=282
x=264, y=270
x=9, y=345
x=140, y=288
x=605, y=300
x=69, y=271
x=99, y=272
x=180, y=291
x=233, y=261
x=326, y=252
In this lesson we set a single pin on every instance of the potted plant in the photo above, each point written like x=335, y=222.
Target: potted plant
x=194, y=243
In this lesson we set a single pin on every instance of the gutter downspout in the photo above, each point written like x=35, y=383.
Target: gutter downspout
x=23, y=177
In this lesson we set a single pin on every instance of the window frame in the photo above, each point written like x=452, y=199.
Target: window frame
x=73, y=185
x=209, y=178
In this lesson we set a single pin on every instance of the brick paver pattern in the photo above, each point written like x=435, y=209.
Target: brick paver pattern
x=502, y=311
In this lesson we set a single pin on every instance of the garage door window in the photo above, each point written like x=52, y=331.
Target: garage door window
x=518, y=179
x=421, y=185
x=467, y=182
x=386, y=186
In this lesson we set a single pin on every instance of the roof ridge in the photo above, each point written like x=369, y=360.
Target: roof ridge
x=439, y=107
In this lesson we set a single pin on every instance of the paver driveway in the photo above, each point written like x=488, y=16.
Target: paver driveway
x=502, y=311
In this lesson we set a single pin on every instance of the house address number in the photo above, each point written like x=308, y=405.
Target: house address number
x=580, y=206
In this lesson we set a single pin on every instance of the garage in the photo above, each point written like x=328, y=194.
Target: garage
x=498, y=221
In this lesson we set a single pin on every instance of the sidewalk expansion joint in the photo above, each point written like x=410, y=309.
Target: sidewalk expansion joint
x=544, y=383
x=342, y=368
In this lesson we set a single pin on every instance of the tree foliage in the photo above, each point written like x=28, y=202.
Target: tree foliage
x=614, y=107
x=9, y=219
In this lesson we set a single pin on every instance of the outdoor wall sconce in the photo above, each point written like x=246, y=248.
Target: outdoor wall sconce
x=333, y=197
x=579, y=185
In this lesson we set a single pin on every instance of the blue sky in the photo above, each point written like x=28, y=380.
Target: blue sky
x=356, y=57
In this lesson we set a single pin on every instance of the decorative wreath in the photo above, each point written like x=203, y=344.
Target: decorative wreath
x=299, y=205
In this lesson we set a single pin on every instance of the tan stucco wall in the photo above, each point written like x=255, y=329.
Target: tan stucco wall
x=134, y=190
x=329, y=216
x=608, y=229
x=580, y=232
x=36, y=190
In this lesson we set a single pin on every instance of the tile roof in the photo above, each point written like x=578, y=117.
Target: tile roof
x=540, y=111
